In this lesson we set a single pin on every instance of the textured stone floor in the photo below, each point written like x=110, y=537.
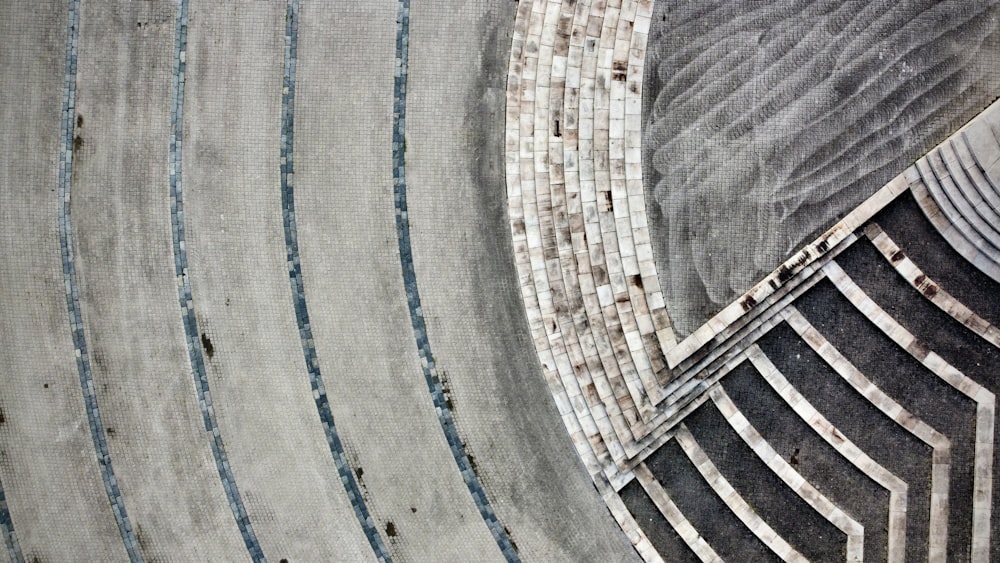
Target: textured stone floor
x=548, y=280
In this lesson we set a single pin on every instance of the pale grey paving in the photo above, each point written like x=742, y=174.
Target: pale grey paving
x=469, y=291
x=51, y=478
x=353, y=285
x=236, y=252
x=766, y=121
x=162, y=453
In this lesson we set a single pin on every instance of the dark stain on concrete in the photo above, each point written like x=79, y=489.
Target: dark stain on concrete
x=206, y=343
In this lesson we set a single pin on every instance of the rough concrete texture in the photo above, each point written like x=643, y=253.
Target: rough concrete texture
x=211, y=345
x=765, y=122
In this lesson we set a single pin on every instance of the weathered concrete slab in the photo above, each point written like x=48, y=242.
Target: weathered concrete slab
x=766, y=122
x=354, y=287
x=469, y=290
x=239, y=276
x=50, y=473
x=162, y=452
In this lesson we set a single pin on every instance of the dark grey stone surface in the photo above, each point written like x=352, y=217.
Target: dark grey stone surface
x=703, y=508
x=959, y=346
x=882, y=439
x=764, y=122
x=831, y=474
x=905, y=223
x=794, y=520
x=918, y=390
x=660, y=533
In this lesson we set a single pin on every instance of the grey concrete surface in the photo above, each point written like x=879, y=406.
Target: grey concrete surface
x=353, y=284
x=469, y=292
x=236, y=247
x=50, y=472
x=162, y=453
x=766, y=122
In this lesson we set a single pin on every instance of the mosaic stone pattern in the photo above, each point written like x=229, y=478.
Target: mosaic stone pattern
x=298, y=291
x=194, y=343
x=97, y=430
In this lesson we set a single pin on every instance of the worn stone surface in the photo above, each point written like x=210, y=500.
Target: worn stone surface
x=765, y=122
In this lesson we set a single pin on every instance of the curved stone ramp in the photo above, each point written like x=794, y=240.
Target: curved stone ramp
x=928, y=288
x=951, y=190
x=980, y=158
x=784, y=470
x=733, y=500
x=982, y=500
x=829, y=433
x=567, y=259
x=674, y=516
x=941, y=446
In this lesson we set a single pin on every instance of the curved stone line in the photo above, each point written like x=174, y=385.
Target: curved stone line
x=184, y=291
x=985, y=400
x=413, y=296
x=298, y=289
x=7, y=527
x=97, y=433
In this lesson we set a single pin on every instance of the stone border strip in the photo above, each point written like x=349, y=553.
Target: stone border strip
x=732, y=498
x=854, y=531
x=982, y=499
x=952, y=215
x=73, y=307
x=674, y=516
x=845, y=447
x=956, y=208
x=413, y=296
x=968, y=188
x=184, y=295
x=955, y=237
x=7, y=528
x=940, y=444
x=298, y=289
x=928, y=288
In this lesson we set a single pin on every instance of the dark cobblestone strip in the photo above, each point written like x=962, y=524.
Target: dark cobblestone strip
x=413, y=296
x=7, y=527
x=184, y=291
x=298, y=289
x=97, y=434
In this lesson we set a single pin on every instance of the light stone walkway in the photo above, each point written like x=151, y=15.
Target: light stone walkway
x=929, y=288
x=350, y=263
x=941, y=446
x=982, y=498
x=777, y=464
x=240, y=276
x=828, y=432
x=51, y=474
x=732, y=498
x=674, y=516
